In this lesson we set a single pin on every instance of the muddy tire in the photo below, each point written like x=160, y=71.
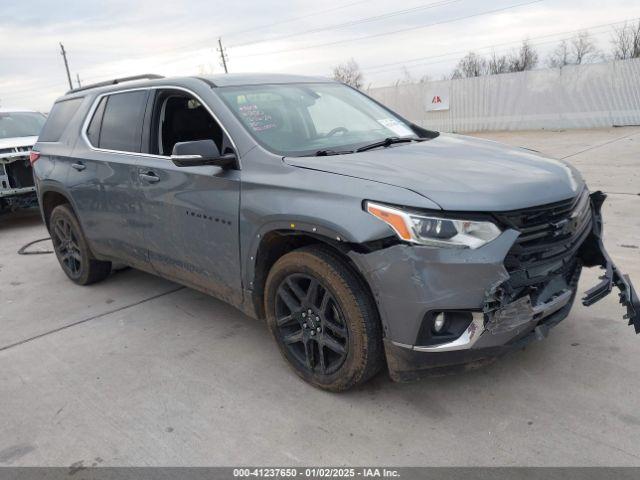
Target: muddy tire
x=72, y=249
x=323, y=319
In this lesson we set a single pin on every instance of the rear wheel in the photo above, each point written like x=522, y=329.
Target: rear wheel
x=323, y=319
x=72, y=249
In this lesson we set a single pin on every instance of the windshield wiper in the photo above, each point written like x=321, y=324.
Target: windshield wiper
x=382, y=143
x=389, y=141
x=326, y=153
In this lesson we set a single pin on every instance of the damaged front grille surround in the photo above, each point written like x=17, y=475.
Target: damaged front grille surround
x=544, y=257
x=15, y=171
x=504, y=312
x=542, y=286
x=572, y=238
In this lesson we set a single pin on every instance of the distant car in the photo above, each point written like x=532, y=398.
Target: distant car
x=358, y=235
x=19, y=130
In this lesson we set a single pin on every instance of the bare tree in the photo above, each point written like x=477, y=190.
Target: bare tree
x=524, y=59
x=560, y=56
x=583, y=49
x=472, y=65
x=349, y=73
x=497, y=64
x=626, y=42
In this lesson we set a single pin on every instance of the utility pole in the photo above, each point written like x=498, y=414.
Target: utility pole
x=78, y=80
x=66, y=65
x=223, y=55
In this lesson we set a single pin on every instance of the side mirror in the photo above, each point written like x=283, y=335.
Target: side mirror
x=199, y=153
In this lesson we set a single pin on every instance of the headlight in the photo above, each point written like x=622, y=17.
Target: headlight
x=435, y=231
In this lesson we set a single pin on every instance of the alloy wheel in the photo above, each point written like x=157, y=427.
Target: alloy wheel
x=310, y=324
x=65, y=242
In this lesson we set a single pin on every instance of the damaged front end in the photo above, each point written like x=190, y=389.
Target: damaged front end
x=594, y=254
x=17, y=188
x=494, y=299
x=545, y=264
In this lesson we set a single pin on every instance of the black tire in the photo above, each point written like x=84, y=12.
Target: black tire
x=348, y=319
x=72, y=249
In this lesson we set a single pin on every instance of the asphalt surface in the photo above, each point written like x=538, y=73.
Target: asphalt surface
x=140, y=371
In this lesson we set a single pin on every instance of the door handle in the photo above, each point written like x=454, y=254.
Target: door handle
x=149, y=177
x=78, y=166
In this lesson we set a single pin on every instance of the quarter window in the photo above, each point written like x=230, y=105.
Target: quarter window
x=60, y=116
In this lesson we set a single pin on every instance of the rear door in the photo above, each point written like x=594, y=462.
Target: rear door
x=103, y=173
x=191, y=213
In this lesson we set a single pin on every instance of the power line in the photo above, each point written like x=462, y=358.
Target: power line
x=293, y=19
x=320, y=29
x=447, y=59
x=374, y=35
x=260, y=27
x=497, y=45
x=17, y=93
x=384, y=16
x=377, y=35
x=422, y=64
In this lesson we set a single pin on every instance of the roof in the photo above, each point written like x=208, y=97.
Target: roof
x=222, y=80
x=234, y=79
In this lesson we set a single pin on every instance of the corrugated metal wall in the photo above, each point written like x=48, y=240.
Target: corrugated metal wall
x=584, y=96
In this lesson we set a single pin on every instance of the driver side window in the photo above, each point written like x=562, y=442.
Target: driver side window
x=179, y=117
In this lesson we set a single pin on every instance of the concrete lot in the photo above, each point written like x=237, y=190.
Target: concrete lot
x=139, y=371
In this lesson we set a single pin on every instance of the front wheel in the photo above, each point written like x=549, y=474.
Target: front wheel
x=323, y=319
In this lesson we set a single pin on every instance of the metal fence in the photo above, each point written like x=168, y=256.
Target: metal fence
x=580, y=96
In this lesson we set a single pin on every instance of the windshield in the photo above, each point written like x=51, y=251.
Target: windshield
x=20, y=124
x=302, y=119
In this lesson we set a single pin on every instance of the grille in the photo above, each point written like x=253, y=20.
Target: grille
x=15, y=168
x=550, y=237
x=20, y=174
x=14, y=152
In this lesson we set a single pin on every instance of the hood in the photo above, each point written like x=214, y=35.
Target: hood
x=460, y=173
x=17, y=142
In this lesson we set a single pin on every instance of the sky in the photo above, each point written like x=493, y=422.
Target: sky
x=390, y=40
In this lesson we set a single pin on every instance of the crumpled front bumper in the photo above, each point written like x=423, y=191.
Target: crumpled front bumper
x=409, y=281
x=594, y=254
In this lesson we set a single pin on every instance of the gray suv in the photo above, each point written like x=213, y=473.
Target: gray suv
x=360, y=237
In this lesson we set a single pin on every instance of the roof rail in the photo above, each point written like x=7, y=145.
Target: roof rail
x=115, y=81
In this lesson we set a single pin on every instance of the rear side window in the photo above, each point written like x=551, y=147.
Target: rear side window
x=117, y=122
x=60, y=116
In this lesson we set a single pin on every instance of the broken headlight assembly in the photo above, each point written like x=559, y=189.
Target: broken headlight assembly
x=435, y=231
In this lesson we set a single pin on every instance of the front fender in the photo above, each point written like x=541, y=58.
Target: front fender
x=324, y=231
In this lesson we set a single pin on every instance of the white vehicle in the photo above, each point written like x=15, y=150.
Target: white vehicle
x=19, y=130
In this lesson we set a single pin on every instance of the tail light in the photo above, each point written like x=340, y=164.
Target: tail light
x=33, y=157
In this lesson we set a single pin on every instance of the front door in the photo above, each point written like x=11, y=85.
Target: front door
x=191, y=213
